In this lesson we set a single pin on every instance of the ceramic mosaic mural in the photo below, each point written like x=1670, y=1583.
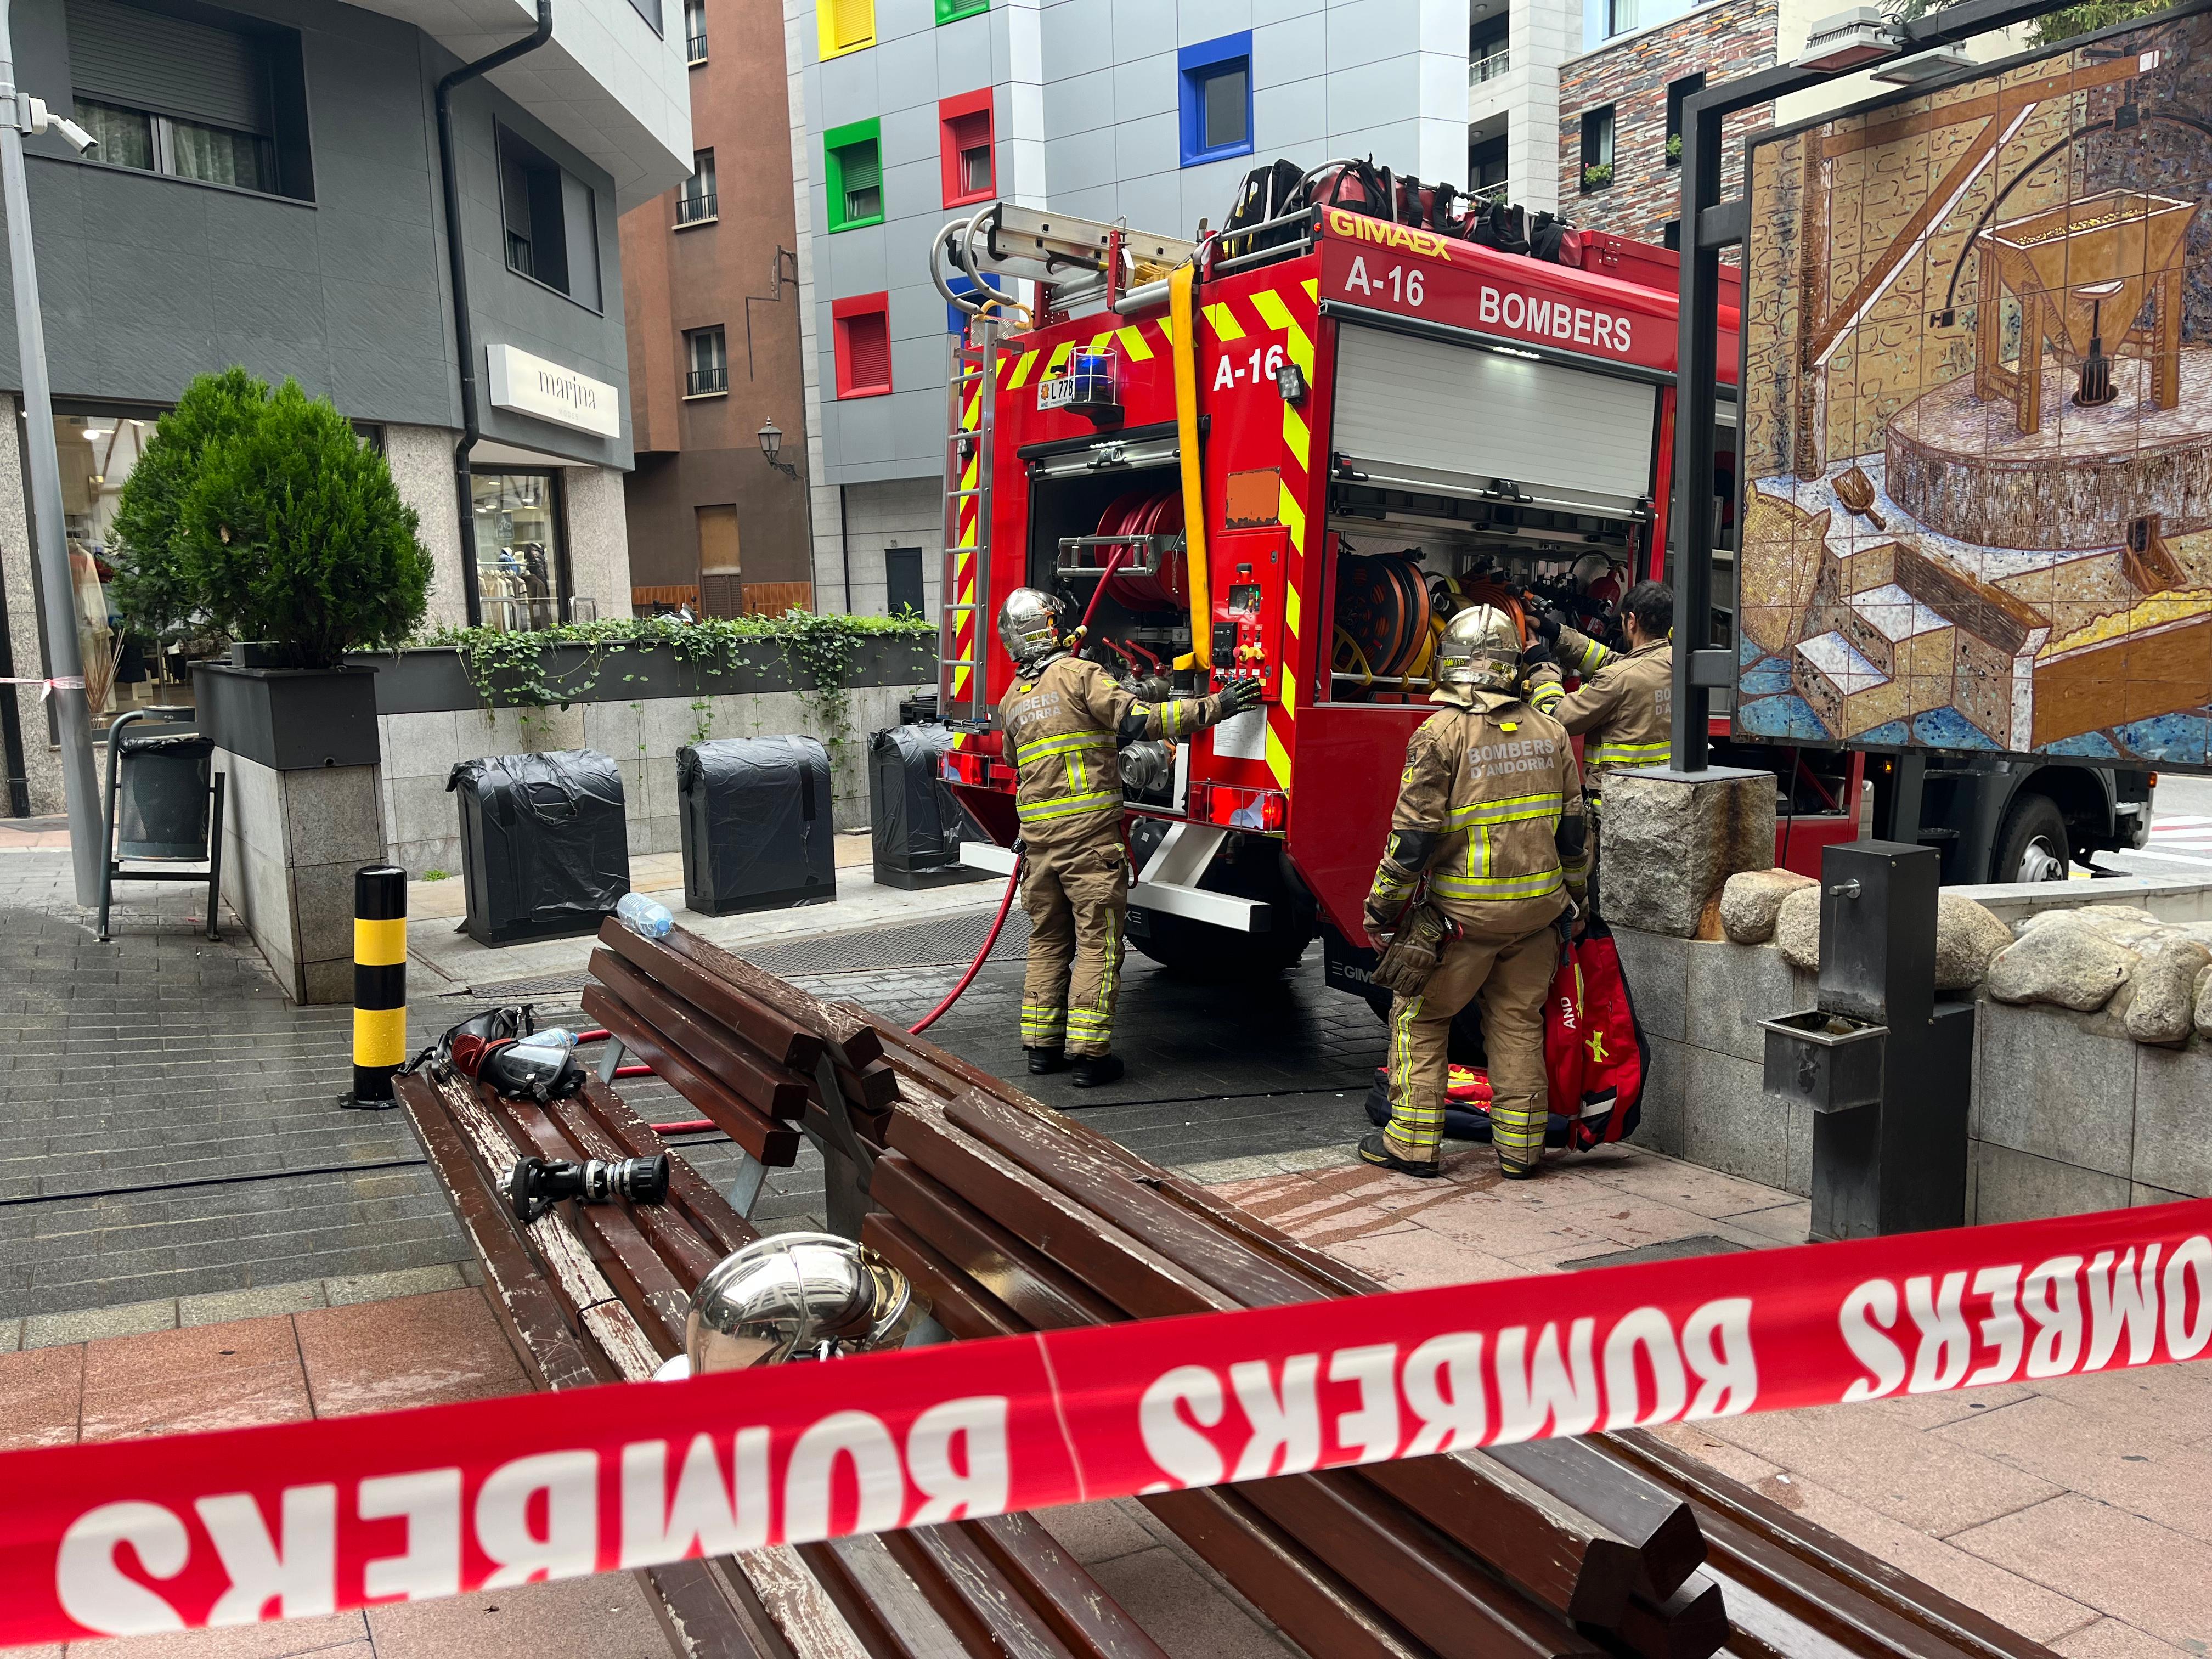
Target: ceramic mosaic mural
x=1977, y=435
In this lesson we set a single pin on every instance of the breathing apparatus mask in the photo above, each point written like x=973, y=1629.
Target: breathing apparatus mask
x=502, y=1047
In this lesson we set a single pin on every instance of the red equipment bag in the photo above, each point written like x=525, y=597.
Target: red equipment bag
x=1594, y=1051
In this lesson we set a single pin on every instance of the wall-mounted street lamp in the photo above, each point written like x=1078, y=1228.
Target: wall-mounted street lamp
x=771, y=443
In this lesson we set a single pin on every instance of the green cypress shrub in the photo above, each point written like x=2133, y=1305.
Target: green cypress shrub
x=154, y=585
x=293, y=532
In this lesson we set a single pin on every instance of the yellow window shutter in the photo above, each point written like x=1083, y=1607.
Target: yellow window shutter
x=846, y=24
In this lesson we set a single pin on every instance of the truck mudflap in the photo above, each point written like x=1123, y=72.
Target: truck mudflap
x=1346, y=966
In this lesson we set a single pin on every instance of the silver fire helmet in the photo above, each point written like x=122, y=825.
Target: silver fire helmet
x=798, y=1296
x=1591, y=569
x=1029, y=626
x=1481, y=650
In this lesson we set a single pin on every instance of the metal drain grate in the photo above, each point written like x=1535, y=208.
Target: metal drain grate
x=941, y=942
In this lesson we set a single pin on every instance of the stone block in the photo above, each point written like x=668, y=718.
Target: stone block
x=1750, y=899
x=1671, y=842
x=2173, y=1120
x=2052, y=1087
x=1656, y=969
x=2016, y=1186
x=1731, y=988
x=424, y=809
x=664, y=834
x=322, y=907
x=658, y=799
x=325, y=984
x=668, y=723
x=1797, y=929
x=333, y=814
x=1659, y=1123
x=615, y=729
x=2063, y=961
x=1727, y=1122
x=423, y=745
x=253, y=800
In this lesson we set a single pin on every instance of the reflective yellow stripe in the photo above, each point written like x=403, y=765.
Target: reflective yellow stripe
x=1133, y=342
x=1514, y=810
x=1065, y=744
x=1068, y=805
x=1021, y=374
x=1626, y=754
x=379, y=1036
x=1592, y=657
x=1224, y=322
x=379, y=944
x=1498, y=887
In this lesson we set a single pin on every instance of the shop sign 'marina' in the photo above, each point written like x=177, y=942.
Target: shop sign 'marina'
x=533, y=386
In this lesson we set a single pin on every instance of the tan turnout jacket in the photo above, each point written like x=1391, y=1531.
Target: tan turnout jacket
x=1063, y=726
x=1488, y=782
x=1624, y=709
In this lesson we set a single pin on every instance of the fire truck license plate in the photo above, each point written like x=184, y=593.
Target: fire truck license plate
x=1056, y=394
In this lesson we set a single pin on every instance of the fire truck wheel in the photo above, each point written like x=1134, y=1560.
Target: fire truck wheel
x=1207, y=955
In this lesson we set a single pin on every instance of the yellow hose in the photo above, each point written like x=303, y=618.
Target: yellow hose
x=1182, y=288
x=1346, y=642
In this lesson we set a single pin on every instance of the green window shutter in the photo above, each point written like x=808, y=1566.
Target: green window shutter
x=855, y=175
x=951, y=11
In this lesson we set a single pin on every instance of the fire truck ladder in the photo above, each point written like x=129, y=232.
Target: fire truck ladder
x=971, y=385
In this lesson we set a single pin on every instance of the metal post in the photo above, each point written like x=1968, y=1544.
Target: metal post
x=57, y=597
x=379, y=985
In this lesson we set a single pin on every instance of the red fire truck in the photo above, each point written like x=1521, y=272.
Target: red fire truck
x=1286, y=456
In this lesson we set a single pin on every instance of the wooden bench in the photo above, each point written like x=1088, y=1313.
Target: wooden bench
x=1010, y=1217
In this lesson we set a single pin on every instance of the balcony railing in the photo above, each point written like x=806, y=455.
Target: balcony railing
x=705, y=382
x=1479, y=70
x=695, y=207
x=1489, y=192
x=695, y=47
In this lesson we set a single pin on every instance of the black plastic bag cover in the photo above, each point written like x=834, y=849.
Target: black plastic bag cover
x=916, y=820
x=553, y=824
x=769, y=819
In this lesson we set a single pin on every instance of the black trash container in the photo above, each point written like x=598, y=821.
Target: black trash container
x=917, y=823
x=544, y=847
x=758, y=832
x=164, y=794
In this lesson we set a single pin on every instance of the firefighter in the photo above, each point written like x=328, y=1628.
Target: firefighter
x=1490, y=813
x=1624, y=709
x=1065, y=719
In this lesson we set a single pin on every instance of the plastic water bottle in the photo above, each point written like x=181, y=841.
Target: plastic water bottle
x=559, y=1037
x=648, y=917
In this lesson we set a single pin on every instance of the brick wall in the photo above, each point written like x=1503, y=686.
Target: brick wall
x=1723, y=41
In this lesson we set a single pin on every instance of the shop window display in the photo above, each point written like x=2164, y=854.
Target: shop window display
x=518, y=552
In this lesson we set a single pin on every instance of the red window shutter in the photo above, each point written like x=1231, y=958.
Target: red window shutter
x=963, y=123
x=863, y=346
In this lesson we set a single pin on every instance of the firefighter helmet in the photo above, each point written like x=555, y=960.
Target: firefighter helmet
x=1481, y=650
x=1591, y=569
x=1028, y=627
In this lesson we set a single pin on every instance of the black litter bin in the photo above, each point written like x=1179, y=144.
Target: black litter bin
x=758, y=833
x=544, y=846
x=917, y=822
x=162, y=804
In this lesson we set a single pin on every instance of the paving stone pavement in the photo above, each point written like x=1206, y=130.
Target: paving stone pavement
x=169, y=1126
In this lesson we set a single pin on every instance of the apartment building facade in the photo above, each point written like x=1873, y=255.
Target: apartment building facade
x=712, y=301
x=268, y=190
x=908, y=113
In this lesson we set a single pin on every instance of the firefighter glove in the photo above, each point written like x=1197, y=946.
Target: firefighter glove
x=1238, y=696
x=1405, y=967
x=1544, y=624
x=1535, y=654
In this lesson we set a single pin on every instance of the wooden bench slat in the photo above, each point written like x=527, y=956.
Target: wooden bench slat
x=1657, y=1523
x=1066, y=1595
x=701, y=1620
x=856, y=1040
x=885, y=1606
x=773, y=1144
x=771, y=1089
x=536, y=1326
x=972, y=1596
x=1691, y=1624
x=783, y=1040
x=712, y=1216
x=963, y=1307
x=1441, y=1596
x=1305, y=1601
x=687, y=1256
x=1970, y=1628
x=1034, y=1288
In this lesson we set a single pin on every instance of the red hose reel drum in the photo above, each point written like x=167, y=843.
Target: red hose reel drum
x=1146, y=515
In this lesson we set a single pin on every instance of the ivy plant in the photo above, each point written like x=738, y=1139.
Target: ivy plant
x=527, y=671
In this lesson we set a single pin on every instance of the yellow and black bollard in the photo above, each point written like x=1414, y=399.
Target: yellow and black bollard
x=379, y=984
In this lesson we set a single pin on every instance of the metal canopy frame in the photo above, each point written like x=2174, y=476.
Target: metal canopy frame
x=1709, y=223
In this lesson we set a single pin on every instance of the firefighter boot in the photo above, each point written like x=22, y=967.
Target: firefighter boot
x=1043, y=1061
x=1094, y=1071
x=1376, y=1149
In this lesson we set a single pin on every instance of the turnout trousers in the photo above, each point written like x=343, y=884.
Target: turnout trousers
x=1512, y=976
x=1076, y=893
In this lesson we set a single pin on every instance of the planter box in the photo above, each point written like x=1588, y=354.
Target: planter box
x=290, y=720
x=434, y=678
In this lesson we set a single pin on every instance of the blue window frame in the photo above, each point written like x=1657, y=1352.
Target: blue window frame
x=955, y=318
x=1217, y=98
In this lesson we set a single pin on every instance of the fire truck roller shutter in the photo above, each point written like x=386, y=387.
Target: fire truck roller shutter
x=1407, y=403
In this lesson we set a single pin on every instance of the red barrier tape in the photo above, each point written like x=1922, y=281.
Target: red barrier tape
x=236, y=1527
